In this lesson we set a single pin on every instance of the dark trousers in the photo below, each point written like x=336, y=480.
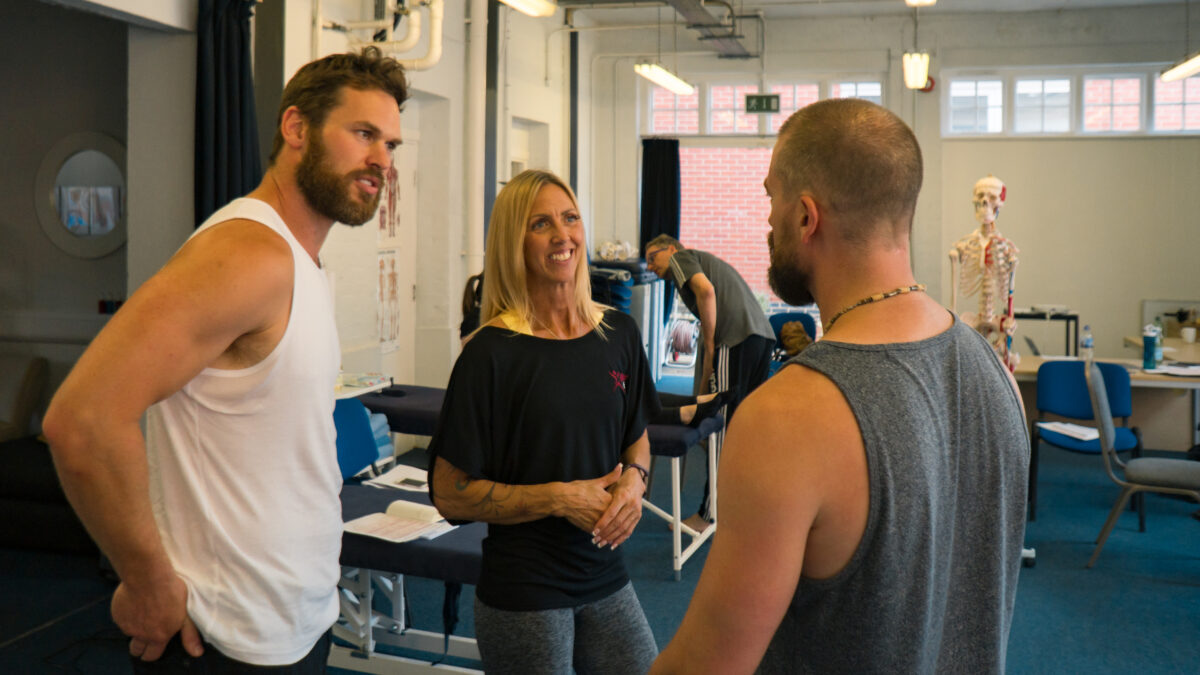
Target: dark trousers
x=175, y=659
x=738, y=370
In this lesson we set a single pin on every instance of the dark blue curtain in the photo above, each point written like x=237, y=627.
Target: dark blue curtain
x=660, y=197
x=227, y=159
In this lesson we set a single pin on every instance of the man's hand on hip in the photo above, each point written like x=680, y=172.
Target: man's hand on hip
x=151, y=615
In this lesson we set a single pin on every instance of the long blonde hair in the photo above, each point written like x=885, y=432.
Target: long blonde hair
x=504, y=282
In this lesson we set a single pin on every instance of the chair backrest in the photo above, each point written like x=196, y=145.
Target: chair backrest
x=1097, y=386
x=1062, y=389
x=777, y=321
x=22, y=384
x=356, y=447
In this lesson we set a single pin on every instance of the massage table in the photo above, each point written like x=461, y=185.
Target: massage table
x=371, y=566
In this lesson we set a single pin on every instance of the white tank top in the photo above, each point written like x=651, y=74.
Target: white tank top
x=244, y=479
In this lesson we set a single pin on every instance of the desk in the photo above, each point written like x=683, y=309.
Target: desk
x=1174, y=349
x=372, y=565
x=1153, y=409
x=1071, y=320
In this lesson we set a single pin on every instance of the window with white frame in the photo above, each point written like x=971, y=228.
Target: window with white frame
x=1112, y=103
x=674, y=114
x=792, y=97
x=1177, y=105
x=976, y=106
x=870, y=91
x=1042, y=105
x=727, y=109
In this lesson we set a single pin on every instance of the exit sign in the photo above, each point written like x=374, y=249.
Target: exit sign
x=762, y=103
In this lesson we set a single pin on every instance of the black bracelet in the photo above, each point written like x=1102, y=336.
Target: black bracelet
x=640, y=469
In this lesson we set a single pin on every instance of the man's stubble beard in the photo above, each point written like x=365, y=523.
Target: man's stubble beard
x=786, y=278
x=327, y=192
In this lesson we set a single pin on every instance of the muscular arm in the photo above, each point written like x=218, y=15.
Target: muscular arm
x=706, y=306
x=458, y=496
x=780, y=515
x=214, y=291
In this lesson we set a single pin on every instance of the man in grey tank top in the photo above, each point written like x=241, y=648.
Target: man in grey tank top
x=873, y=491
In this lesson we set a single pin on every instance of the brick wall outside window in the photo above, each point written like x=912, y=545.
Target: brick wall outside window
x=724, y=208
x=1112, y=104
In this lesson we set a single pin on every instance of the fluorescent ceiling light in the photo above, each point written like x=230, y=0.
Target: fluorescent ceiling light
x=665, y=79
x=920, y=3
x=916, y=70
x=533, y=7
x=1185, y=68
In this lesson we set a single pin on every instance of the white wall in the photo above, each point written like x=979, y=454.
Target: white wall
x=1101, y=223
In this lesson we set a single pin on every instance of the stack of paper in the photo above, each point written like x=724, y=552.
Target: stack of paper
x=404, y=477
x=403, y=521
x=1073, y=430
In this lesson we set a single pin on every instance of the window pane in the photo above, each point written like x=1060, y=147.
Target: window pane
x=1192, y=89
x=1097, y=118
x=721, y=121
x=689, y=102
x=1058, y=92
x=721, y=97
x=1191, y=118
x=870, y=89
x=1168, y=117
x=962, y=88
x=664, y=122
x=1097, y=92
x=688, y=122
x=962, y=121
x=1029, y=119
x=1057, y=120
x=1126, y=118
x=1168, y=92
x=1127, y=91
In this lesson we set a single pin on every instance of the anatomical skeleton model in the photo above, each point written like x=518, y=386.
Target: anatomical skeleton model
x=985, y=263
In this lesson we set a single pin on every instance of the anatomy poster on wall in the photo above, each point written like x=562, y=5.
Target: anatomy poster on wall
x=389, y=215
x=388, y=305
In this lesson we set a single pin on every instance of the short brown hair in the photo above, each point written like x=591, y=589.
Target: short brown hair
x=317, y=87
x=861, y=158
x=663, y=241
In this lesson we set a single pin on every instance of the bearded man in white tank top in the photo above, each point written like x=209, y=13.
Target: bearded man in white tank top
x=224, y=522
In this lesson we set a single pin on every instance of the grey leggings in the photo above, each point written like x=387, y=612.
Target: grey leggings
x=607, y=636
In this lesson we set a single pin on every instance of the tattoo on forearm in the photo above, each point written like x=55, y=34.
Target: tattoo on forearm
x=496, y=498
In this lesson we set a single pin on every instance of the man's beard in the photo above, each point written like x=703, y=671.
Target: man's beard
x=327, y=192
x=788, y=281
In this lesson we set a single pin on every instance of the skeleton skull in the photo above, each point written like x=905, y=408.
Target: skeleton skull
x=988, y=197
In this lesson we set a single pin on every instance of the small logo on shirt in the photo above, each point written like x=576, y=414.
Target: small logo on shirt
x=618, y=380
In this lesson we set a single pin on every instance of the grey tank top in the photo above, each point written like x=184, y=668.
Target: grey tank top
x=932, y=583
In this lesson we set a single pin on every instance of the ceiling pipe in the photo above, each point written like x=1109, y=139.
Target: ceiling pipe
x=434, y=54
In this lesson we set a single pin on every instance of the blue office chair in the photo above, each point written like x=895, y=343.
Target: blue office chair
x=777, y=321
x=356, y=445
x=1062, y=390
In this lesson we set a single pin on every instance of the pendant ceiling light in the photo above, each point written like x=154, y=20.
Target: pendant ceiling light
x=1190, y=65
x=659, y=75
x=916, y=63
x=533, y=7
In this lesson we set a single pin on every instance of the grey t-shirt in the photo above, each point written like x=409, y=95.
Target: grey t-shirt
x=931, y=587
x=738, y=313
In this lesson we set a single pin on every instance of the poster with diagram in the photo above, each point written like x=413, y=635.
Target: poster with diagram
x=388, y=302
x=389, y=213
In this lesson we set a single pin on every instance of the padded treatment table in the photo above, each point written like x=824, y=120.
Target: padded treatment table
x=410, y=409
x=673, y=441
x=371, y=566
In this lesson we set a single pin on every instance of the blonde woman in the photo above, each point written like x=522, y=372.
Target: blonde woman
x=543, y=436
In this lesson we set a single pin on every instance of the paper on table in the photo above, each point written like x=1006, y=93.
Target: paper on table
x=1179, y=371
x=404, y=477
x=1073, y=430
x=403, y=521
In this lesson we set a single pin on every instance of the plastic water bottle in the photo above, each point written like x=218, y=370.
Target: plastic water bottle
x=1158, y=345
x=1086, y=345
